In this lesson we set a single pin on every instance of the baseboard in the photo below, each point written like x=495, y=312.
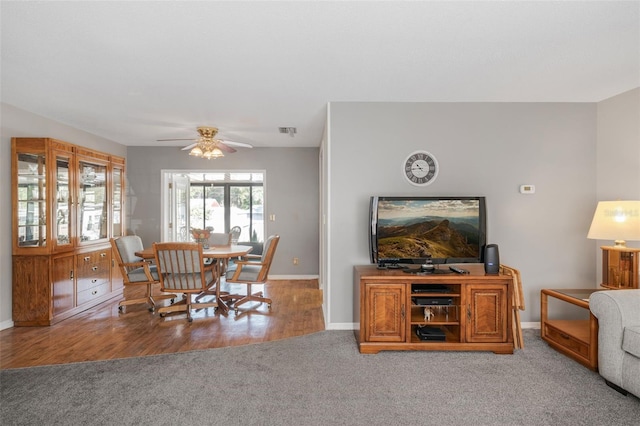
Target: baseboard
x=342, y=326
x=534, y=325
x=293, y=277
x=355, y=326
x=6, y=324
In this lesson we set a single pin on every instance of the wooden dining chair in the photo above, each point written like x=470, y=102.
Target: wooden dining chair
x=181, y=269
x=136, y=271
x=250, y=271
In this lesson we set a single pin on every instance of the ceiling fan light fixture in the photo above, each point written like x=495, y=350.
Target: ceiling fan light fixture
x=212, y=153
x=206, y=146
x=216, y=153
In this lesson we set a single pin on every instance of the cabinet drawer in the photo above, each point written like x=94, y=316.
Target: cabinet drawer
x=92, y=258
x=95, y=271
x=93, y=293
x=87, y=283
x=92, y=263
x=567, y=341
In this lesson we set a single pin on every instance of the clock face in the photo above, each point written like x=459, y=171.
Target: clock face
x=420, y=168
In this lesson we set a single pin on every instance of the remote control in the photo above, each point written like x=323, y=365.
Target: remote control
x=458, y=270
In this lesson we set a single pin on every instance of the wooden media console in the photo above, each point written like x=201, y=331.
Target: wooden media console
x=465, y=312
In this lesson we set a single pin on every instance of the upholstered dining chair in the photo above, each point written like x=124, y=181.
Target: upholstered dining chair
x=235, y=234
x=181, y=269
x=249, y=271
x=136, y=271
x=219, y=239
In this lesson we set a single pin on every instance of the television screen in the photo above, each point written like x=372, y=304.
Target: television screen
x=427, y=229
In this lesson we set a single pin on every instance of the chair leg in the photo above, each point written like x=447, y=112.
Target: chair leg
x=255, y=297
x=185, y=305
x=146, y=299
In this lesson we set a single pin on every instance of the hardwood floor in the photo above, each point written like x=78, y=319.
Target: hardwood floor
x=103, y=333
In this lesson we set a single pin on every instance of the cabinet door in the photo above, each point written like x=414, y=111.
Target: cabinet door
x=92, y=200
x=117, y=191
x=29, y=200
x=63, y=284
x=385, y=312
x=63, y=213
x=486, y=313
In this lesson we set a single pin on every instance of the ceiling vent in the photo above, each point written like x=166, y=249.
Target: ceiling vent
x=291, y=131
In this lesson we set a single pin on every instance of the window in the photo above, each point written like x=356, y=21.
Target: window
x=220, y=201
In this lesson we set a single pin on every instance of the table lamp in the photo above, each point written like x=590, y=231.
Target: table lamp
x=618, y=221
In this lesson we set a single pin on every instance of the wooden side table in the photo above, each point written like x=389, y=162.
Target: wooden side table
x=575, y=338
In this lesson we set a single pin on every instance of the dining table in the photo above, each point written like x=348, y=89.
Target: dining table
x=220, y=253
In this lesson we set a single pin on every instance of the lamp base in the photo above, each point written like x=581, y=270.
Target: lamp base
x=620, y=244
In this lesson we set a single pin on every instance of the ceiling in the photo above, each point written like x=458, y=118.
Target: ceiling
x=137, y=71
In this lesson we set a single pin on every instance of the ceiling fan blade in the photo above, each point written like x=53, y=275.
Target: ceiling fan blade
x=225, y=147
x=189, y=146
x=240, y=144
x=168, y=140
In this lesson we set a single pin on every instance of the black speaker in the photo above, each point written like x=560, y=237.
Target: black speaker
x=491, y=259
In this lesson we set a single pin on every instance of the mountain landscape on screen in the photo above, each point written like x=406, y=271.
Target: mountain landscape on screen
x=427, y=237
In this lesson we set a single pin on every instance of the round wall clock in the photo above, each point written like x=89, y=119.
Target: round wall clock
x=420, y=168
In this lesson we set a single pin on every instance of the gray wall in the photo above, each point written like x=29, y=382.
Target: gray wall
x=575, y=154
x=19, y=123
x=485, y=149
x=291, y=186
x=618, y=155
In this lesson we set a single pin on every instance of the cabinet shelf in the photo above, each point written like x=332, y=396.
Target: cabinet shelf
x=439, y=314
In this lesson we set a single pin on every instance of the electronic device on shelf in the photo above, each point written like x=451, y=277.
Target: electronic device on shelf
x=459, y=270
x=433, y=301
x=429, y=288
x=430, y=333
x=427, y=231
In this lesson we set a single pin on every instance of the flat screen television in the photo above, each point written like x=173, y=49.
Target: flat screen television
x=427, y=230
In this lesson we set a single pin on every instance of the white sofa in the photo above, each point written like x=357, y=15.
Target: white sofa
x=618, y=313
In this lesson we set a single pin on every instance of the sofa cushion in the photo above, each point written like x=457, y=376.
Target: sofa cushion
x=631, y=340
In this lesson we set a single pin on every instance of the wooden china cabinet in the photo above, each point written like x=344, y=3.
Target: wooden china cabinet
x=67, y=201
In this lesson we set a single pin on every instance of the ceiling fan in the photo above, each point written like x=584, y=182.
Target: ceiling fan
x=207, y=146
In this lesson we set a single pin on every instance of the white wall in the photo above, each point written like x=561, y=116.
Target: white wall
x=483, y=149
x=19, y=123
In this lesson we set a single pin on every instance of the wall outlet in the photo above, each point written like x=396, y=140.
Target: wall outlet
x=296, y=261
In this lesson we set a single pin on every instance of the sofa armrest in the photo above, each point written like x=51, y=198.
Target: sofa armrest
x=615, y=310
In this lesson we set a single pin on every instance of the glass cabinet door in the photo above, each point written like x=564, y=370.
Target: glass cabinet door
x=31, y=200
x=116, y=202
x=63, y=219
x=92, y=201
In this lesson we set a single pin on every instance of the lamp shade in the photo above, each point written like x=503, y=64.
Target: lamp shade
x=616, y=220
